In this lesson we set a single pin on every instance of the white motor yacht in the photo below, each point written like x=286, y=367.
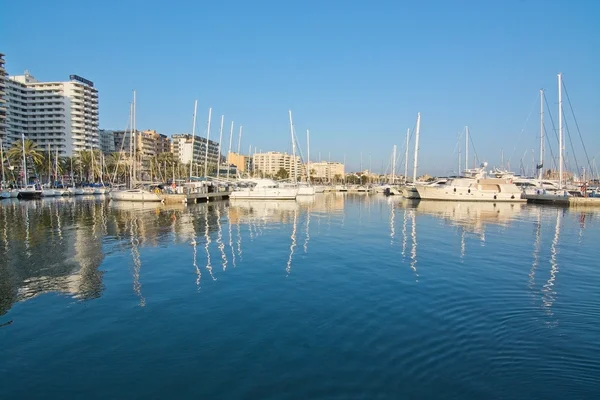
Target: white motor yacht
x=76, y=191
x=264, y=189
x=474, y=186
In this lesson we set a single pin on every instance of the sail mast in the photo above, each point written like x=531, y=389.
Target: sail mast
x=417, y=148
x=308, y=156
x=541, y=162
x=560, y=133
x=466, y=148
x=134, y=139
x=393, y=165
x=406, y=156
x=2, y=161
x=293, y=146
x=207, y=140
x=220, y=140
x=193, y=136
x=24, y=162
x=229, y=152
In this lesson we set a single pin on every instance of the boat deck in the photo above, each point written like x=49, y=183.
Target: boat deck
x=191, y=198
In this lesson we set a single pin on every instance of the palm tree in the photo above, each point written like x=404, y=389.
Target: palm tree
x=32, y=152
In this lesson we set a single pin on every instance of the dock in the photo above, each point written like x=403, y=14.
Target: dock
x=584, y=201
x=191, y=198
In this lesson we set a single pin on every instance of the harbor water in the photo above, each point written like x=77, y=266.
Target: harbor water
x=340, y=296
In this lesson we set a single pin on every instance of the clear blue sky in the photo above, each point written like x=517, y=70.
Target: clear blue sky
x=353, y=72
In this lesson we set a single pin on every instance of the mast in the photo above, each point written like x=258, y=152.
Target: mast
x=393, y=165
x=308, y=156
x=193, y=136
x=49, y=167
x=240, y=140
x=541, y=163
x=416, y=164
x=134, y=141
x=24, y=162
x=466, y=148
x=220, y=140
x=56, y=167
x=229, y=152
x=2, y=161
x=207, y=141
x=560, y=133
x=130, y=146
x=406, y=156
x=293, y=147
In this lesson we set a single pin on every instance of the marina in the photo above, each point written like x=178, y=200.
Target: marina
x=374, y=270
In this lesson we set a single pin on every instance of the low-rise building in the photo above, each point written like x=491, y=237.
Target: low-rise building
x=326, y=171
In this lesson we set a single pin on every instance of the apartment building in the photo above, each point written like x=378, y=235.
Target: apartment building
x=270, y=163
x=107, y=141
x=62, y=116
x=182, y=150
x=242, y=163
x=326, y=171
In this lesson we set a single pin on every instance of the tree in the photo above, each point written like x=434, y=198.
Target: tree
x=32, y=152
x=337, y=178
x=282, y=173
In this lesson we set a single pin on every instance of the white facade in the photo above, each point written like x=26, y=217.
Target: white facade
x=326, y=171
x=271, y=162
x=182, y=149
x=60, y=115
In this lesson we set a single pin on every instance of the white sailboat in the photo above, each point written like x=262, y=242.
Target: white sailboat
x=539, y=193
x=134, y=194
x=28, y=191
x=410, y=191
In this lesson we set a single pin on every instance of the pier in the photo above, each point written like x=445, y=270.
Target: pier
x=584, y=201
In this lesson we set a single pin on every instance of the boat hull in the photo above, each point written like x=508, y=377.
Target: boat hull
x=4, y=195
x=265, y=194
x=30, y=194
x=411, y=192
x=306, y=191
x=135, y=195
x=469, y=194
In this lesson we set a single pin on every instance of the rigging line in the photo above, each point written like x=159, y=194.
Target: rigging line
x=523, y=128
x=572, y=147
x=477, y=160
x=577, y=125
x=550, y=147
x=551, y=119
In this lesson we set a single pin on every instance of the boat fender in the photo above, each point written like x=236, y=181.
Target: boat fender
x=454, y=190
x=494, y=197
x=469, y=191
x=512, y=197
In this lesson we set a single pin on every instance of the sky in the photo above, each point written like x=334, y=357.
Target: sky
x=355, y=73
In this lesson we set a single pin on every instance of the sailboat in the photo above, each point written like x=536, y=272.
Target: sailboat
x=29, y=191
x=134, y=194
x=559, y=195
x=4, y=193
x=410, y=191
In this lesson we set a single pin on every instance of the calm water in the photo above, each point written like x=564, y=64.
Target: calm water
x=343, y=297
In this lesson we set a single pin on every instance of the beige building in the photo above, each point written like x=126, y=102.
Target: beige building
x=242, y=163
x=326, y=171
x=271, y=162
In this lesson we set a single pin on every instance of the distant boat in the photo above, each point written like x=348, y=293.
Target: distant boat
x=140, y=195
x=30, y=192
x=264, y=189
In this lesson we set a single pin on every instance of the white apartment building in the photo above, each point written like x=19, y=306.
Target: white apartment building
x=60, y=115
x=182, y=150
x=107, y=141
x=326, y=171
x=271, y=162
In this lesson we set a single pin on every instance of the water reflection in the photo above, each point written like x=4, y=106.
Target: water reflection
x=59, y=245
